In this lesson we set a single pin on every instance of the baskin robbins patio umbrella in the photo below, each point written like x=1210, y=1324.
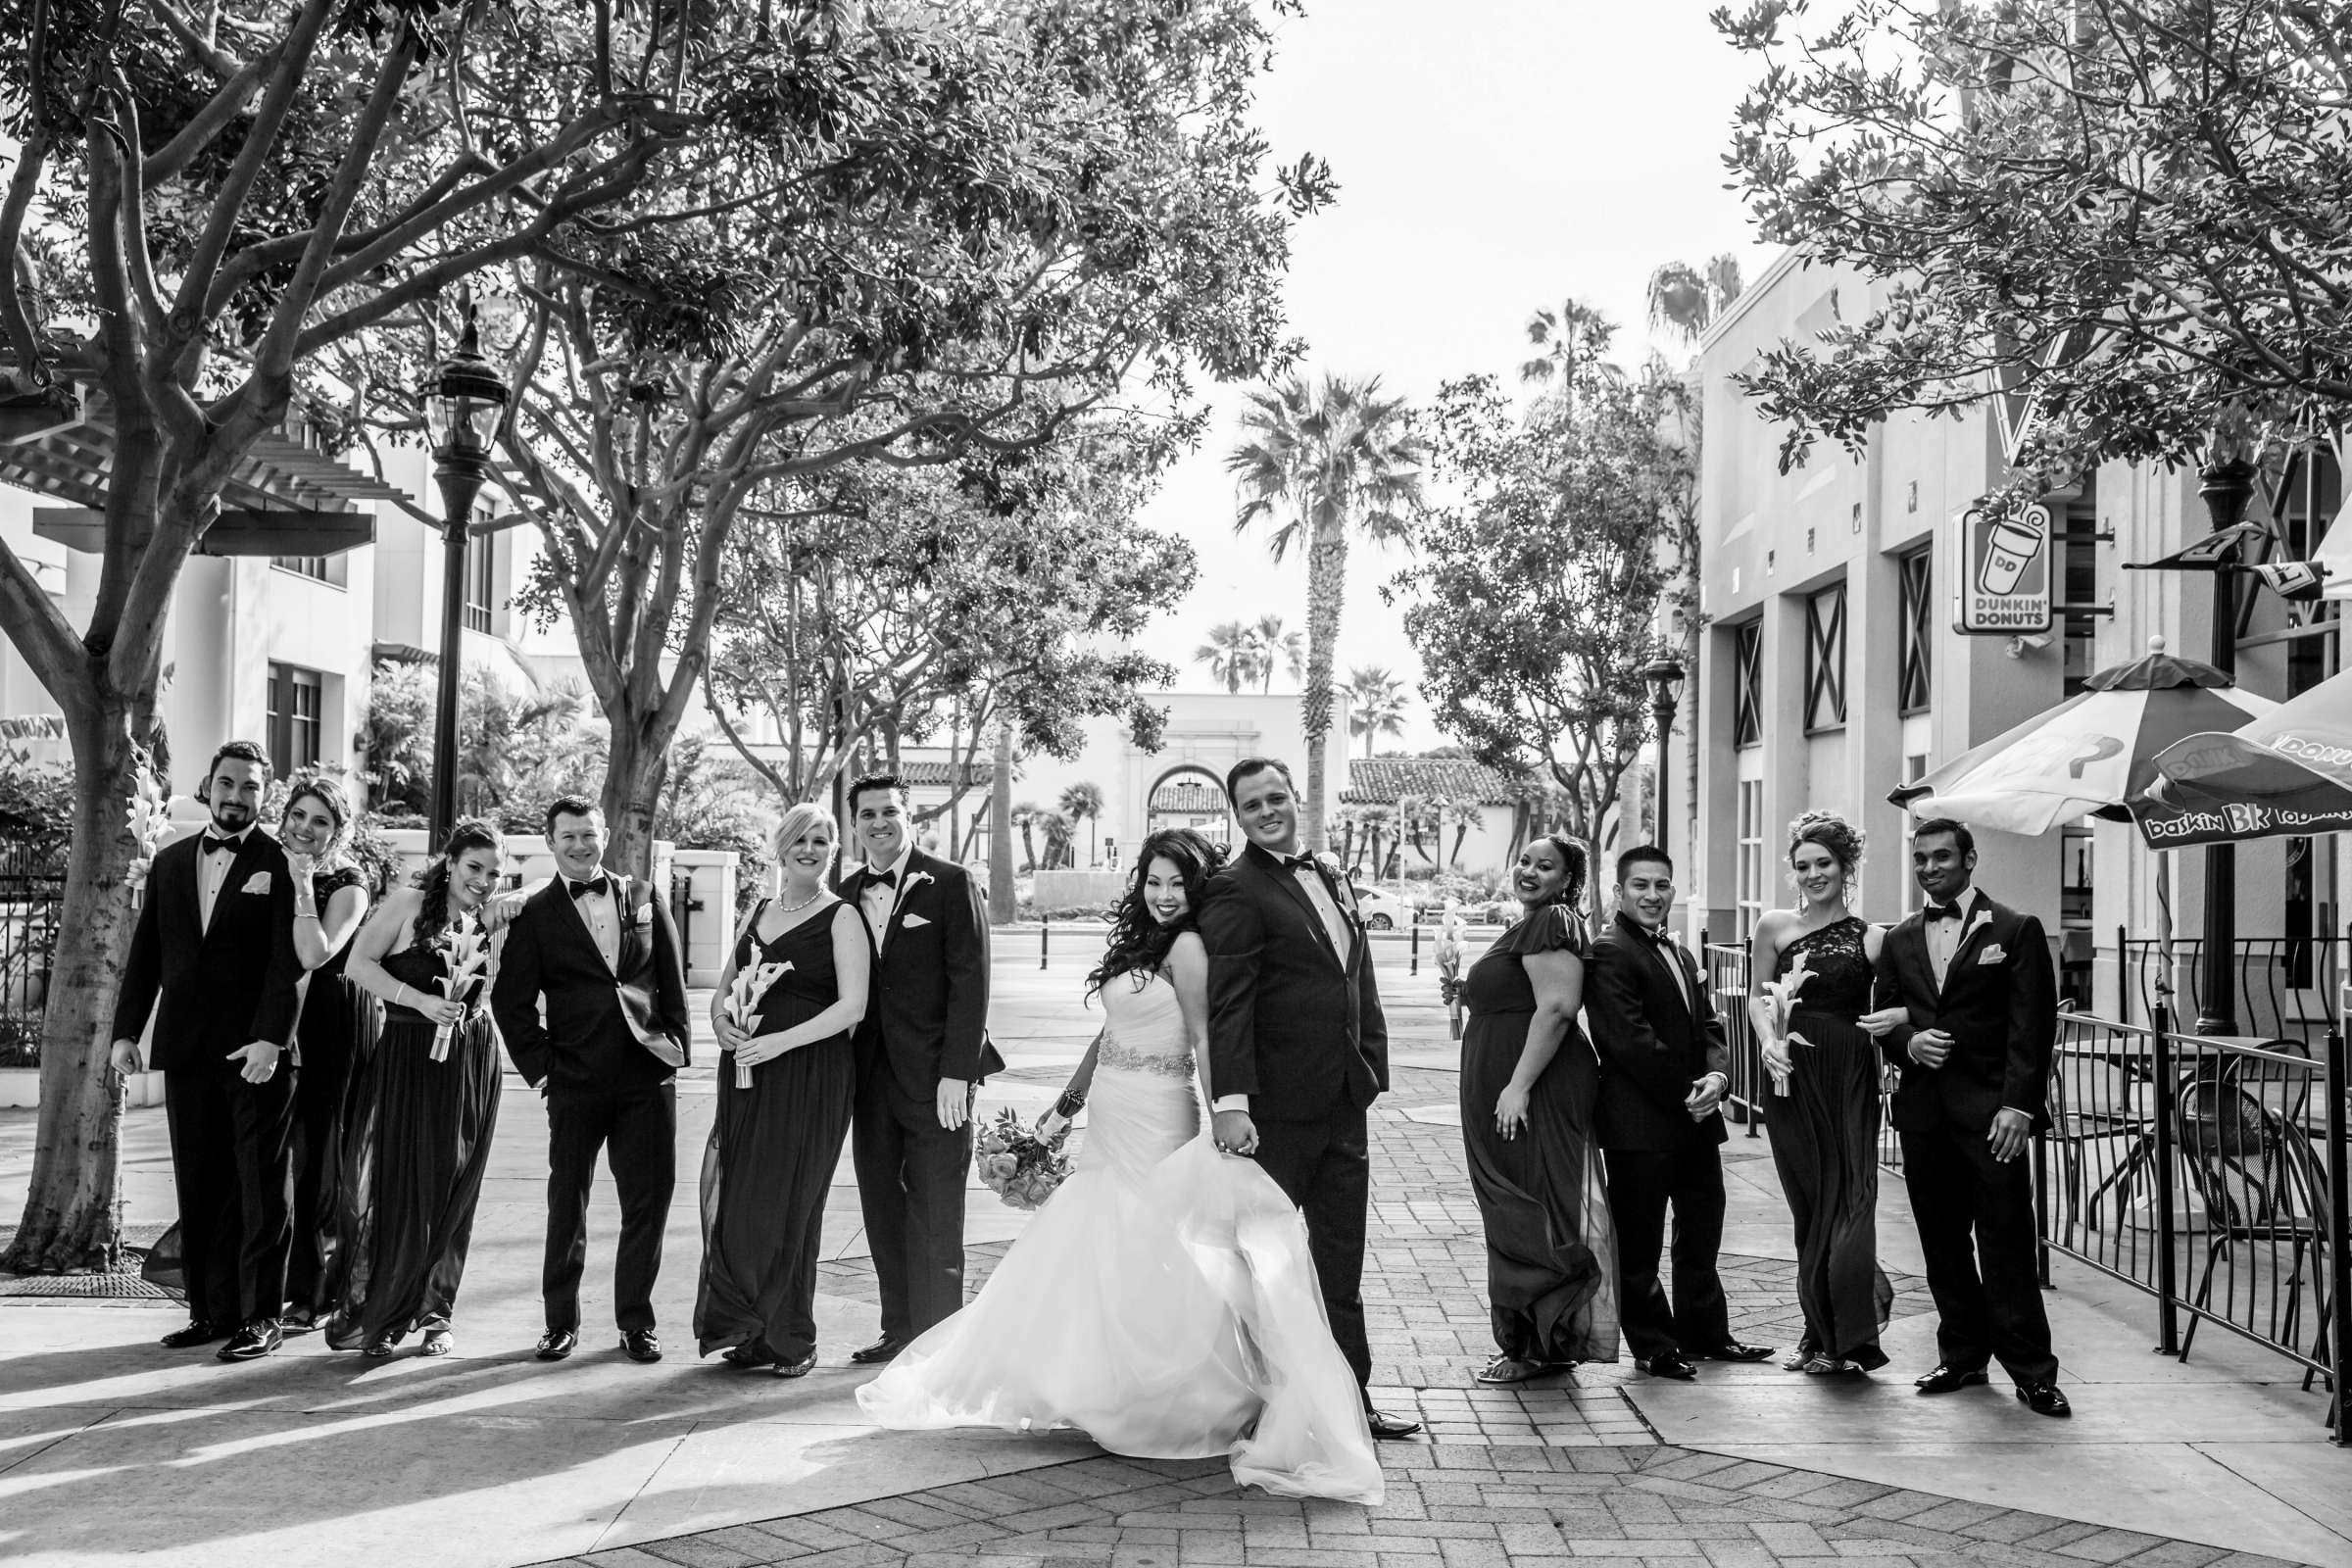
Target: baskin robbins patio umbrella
x=2288, y=772
x=2091, y=755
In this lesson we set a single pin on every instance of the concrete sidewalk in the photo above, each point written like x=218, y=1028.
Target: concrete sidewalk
x=111, y=1447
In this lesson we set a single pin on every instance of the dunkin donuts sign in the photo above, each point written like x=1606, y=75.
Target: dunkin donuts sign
x=2004, y=577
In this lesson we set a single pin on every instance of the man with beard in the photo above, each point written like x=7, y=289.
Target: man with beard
x=213, y=961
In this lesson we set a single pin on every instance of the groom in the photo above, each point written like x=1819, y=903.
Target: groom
x=1298, y=1046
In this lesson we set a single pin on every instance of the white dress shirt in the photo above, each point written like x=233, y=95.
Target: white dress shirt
x=1944, y=936
x=212, y=874
x=876, y=902
x=603, y=917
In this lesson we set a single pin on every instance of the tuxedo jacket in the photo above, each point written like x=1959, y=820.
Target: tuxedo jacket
x=1652, y=1044
x=927, y=1015
x=1291, y=1024
x=217, y=989
x=606, y=1026
x=1999, y=1004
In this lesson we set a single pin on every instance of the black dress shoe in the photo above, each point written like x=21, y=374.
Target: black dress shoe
x=301, y=1320
x=1949, y=1380
x=253, y=1341
x=2043, y=1398
x=884, y=1348
x=1733, y=1351
x=198, y=1331
x=557, y=1343
x=1384, y=1425
x=797, y=1369
x=643, y=1345
x=1671, y=1364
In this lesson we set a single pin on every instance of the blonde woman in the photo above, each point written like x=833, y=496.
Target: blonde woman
x=774, y=1144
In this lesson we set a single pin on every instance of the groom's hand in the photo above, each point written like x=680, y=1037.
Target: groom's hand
x=954, y=1103
x=1236, y=1133
x=2011, y=1131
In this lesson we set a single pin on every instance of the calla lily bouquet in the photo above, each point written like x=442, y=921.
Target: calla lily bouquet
x=464, y=950
x=743, y=1004
x=149, y=818
x=1780, y=997
x=1450, y=964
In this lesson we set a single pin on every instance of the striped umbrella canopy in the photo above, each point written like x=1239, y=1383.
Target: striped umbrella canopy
x=2288, y=773
x=2089, y=756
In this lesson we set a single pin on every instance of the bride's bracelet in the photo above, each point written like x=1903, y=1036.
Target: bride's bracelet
x=1072, y=1102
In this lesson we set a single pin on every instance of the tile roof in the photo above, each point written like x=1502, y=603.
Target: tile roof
x=932, y=774
x=1385, y=780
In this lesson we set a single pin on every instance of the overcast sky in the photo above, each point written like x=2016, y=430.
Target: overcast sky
x=1493, y=157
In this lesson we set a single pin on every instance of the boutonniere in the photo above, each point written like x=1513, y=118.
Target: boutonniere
x=259, y=883
x=914, y=880
x=1981, y=919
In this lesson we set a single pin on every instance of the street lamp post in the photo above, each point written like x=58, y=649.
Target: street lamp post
x=1665, y=677
x=465, y=398
x=2227, y=483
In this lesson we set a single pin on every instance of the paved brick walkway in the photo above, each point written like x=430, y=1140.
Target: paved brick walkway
x=1563, y=1470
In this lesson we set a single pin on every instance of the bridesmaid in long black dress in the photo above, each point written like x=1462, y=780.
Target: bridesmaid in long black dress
x=1823, y=1112
x=774, y=1144
x=336, y=1036
x=433, y=1120
x=1529, y=1078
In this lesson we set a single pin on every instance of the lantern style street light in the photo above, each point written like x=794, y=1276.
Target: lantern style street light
x=1665, y=678
x=465, y=398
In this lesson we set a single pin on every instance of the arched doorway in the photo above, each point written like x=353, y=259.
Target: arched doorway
x=1189, y=794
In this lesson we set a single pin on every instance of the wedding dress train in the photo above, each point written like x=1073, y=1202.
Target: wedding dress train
x=1163, y=1301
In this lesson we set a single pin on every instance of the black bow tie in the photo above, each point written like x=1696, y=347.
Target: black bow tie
x=1297, y=862
x=598, y=883
x=1940, y=911
x=214, y=845
x=1660, y=935
x=881, y=879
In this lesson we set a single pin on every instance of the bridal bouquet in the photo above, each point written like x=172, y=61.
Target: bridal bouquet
x=1450, y=964
x=464, y=950
x=1013, y=1162
x=148, y=818
x=1780, y=997
x=743, y=1005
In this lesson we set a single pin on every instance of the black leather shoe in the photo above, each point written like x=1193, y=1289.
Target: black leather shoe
x=884, y=1348
x=1671, y=1364
x=1949, y=1380
x=1384, y=1425
x=557, y=1343
x=2043, y=1398
x=198, y=1331
x=1733, y=1351
x=253, y=1341
x=797, y=1369
x=643, y=1345
x=301, y=1320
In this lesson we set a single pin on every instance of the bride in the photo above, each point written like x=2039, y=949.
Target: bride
x=1163, y=1301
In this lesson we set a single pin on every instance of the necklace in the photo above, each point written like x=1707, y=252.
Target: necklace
x=794, y=908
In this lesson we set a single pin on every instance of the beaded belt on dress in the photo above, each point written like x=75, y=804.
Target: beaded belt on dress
x=1114, y=1054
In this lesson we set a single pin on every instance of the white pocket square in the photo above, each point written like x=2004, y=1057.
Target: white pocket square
x=259, y=883
x=913, y=920
x=645, y=917
x=1992, y=954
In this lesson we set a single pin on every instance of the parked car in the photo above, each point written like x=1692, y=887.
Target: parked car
x=1381, y=909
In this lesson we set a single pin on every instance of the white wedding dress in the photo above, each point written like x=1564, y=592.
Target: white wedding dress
x=1162, y=1300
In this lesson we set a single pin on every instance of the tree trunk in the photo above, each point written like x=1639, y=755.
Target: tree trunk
x=1326, y=579
x=70, y=1221
x=635, y=769
x=1001, y=896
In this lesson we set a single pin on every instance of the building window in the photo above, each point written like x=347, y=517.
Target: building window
x=1917, y=648
x=303, y=565
x=1825, y=658
x=2079, y=561
x=293, y=717
x=1752, y=855
x=480, y=586
x=1748, y=684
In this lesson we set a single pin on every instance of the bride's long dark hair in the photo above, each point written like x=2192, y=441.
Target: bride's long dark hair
x=1138, y=941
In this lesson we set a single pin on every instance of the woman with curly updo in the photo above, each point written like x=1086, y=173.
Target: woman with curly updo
x=1823, y=1111
x=1528, y=1083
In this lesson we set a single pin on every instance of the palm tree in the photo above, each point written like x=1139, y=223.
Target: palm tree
x=1274, y=645
x=1059, y=831
x=1025, y=818
x=1083, y=802
x=1375, y=704
x=1569, y=344
x=1231, y=654
x=1685, y=300
x=1315, y=461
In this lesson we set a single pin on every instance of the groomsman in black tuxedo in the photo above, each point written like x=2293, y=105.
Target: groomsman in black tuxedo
x=922, y=1050
x=1664, y=1067
x=598, y=955
x=1298, y=1044
x=1977, y=1018
x=213, y=960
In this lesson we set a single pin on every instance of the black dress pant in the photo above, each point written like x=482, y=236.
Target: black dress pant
x=637, y=1128
x=1976, y=1229
x=910, y=1189
x=1644, y=1184
x=232, y=1170
x=1325, y=1167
